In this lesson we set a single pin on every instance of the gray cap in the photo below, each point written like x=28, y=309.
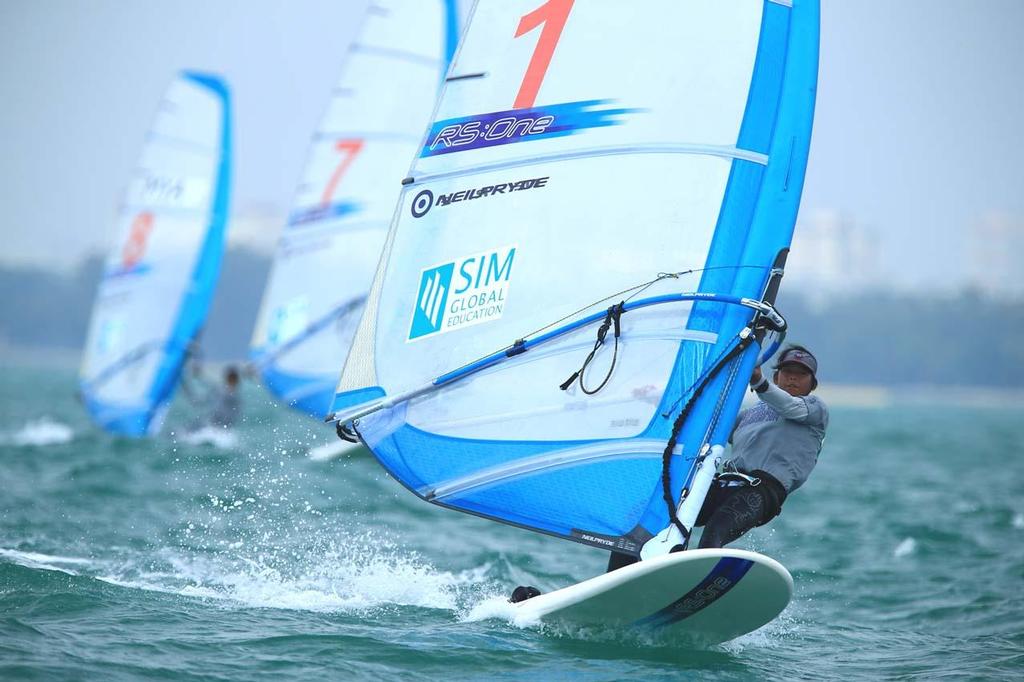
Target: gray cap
x=798, y=356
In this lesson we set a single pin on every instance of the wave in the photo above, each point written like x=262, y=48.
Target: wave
x=905, y=548
x=358, y=578
x=333, y=450
x=47, y=562
x=222, y=439
x=40, y=432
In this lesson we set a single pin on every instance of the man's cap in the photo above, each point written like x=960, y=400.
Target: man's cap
x=798, y=356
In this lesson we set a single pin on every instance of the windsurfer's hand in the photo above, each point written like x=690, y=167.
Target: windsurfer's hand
x=755, y=378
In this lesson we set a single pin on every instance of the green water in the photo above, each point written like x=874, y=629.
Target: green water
x=157, y=559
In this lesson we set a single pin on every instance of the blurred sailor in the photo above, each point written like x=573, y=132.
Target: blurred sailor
x=222, y=404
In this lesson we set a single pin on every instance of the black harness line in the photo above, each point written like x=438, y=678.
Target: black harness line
x=610, y=319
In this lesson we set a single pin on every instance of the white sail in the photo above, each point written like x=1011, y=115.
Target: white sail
x=329, y=249
x=580, y=269
x=160, y=275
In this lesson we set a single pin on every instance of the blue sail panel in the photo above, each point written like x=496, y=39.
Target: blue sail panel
x=645, y=191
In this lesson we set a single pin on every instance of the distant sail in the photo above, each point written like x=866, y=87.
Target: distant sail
x=580, y=269
x=160, y=276
x=330, y=247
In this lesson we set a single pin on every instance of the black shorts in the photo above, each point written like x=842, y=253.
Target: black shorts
x=773, y=493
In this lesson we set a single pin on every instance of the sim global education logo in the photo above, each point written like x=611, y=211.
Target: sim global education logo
x=467, y=291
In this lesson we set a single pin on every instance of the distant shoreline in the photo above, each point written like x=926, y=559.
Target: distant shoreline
x=836, y=395
x=851, y=395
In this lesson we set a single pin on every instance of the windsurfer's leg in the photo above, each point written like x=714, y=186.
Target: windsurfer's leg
x=742, y=510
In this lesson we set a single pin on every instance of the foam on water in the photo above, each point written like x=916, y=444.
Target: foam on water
x=222, y=439
x=905, y=548
x=497, y=606
x=337, y=581
x=46, y=562
x=335, y=449
x=332, y=581
x=787, y=624
x=40, y=432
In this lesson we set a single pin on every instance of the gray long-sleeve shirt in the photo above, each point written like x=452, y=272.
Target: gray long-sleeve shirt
x=781, y=435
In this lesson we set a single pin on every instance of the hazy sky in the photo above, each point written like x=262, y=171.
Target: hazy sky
x=917, y=132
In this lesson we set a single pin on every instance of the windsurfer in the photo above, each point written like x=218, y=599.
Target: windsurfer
x=223, y=404
x=775, y=445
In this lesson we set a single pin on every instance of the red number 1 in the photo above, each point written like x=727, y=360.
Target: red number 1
x=348, y=149
x=552, y=14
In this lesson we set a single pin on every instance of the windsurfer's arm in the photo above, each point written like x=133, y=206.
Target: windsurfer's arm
x=788, y=406
x=193, y=384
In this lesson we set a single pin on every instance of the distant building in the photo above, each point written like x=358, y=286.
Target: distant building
x=831, y=254
x=995, y=246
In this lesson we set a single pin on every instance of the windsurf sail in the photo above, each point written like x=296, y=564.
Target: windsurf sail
x=329, y=249
x=160, y=275
x=580, y=272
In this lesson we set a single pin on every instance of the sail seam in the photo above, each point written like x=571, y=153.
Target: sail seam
x=723, y=151
x=182, y=143
x=646, y=448
x=403, y=55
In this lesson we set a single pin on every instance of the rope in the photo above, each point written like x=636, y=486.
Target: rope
x=612, y=318
x=633, y=292
x=677, y=427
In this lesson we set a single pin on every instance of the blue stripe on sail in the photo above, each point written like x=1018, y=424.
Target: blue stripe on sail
x=451, y=34
x=357, y=397
x=311, y=394
x=196, y=303
x=305, y=216
x=744, y=185
x=132, y=421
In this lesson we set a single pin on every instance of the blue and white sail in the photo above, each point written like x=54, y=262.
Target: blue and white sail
x=161, y=273
x=632, y=167
x=328, y=251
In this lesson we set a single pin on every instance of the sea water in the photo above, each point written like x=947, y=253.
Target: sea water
x=240, y=557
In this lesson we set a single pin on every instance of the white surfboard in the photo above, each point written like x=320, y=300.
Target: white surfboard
x=709, y=595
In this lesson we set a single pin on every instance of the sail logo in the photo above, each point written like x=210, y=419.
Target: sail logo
x=461, y=293
x=520, y=125
x=425, y=200
x=435, y=283
x=165, y=191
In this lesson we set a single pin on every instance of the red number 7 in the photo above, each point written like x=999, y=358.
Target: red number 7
x=349, y=149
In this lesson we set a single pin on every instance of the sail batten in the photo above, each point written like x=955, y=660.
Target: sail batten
x=632, y=449
x=558, y=173
x=725, y=152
